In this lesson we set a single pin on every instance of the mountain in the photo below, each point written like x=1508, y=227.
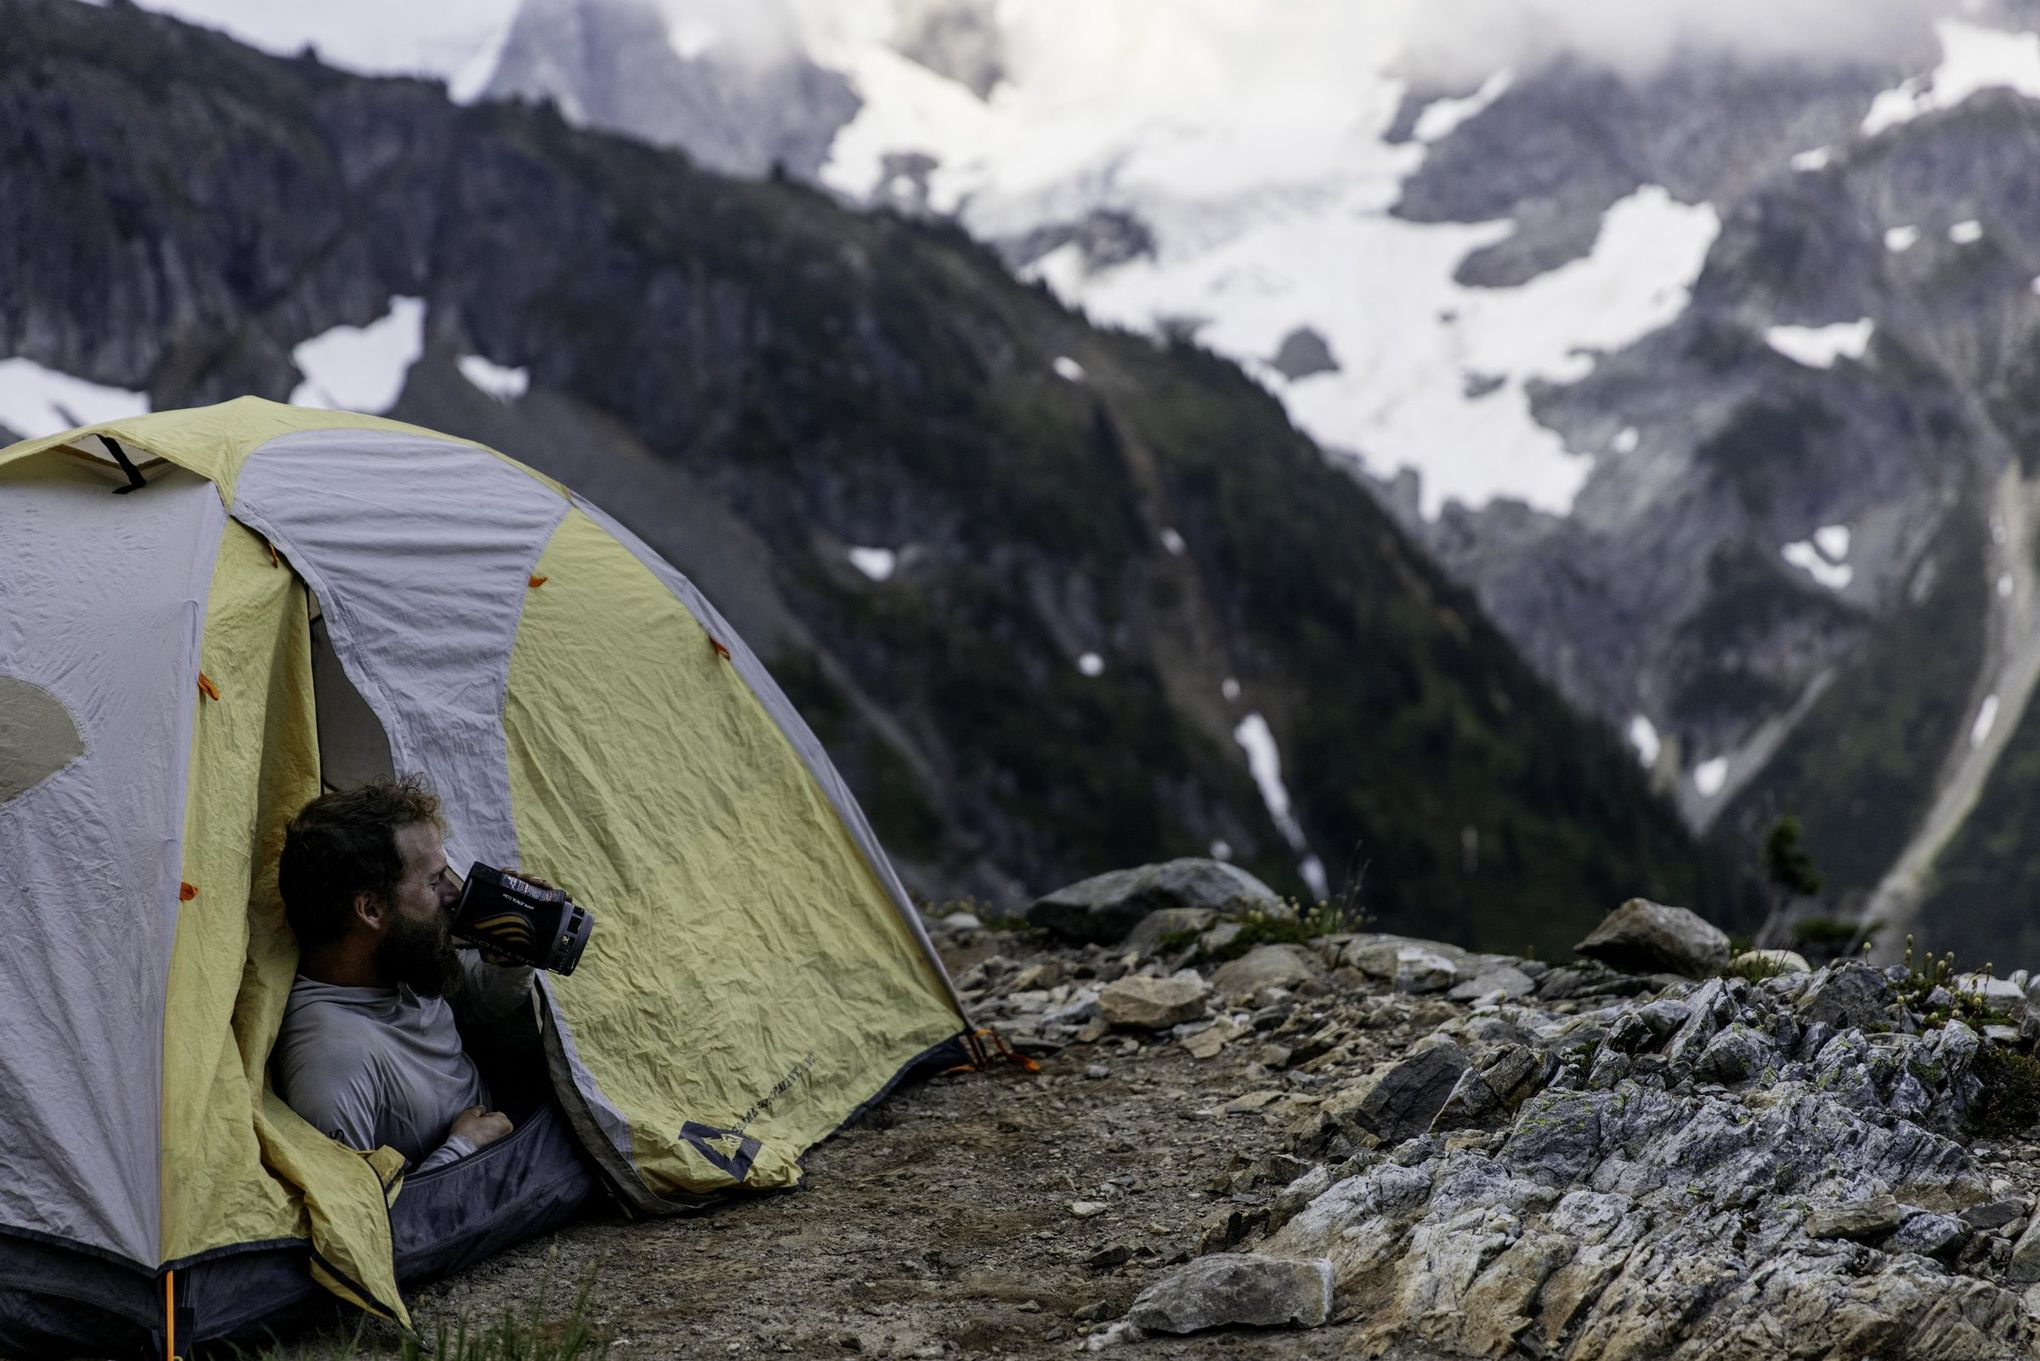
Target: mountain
x=1058, y=599
x=1709, y=371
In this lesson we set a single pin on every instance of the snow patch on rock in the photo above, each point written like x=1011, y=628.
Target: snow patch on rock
x=877, y=563
x=1643, y=735
x=500, y=381
x=1986, y=719
x=1711, y=777
x=1443, y=117
x=1809, y=559
x=1818, y=347
x=1265, y=763
x=361, y=368
x=35, y=401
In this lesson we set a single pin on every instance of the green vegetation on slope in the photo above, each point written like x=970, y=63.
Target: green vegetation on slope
x=1859, y=769
x=1484, y=808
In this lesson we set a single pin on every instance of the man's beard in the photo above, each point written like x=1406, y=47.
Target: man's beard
x=419, y=955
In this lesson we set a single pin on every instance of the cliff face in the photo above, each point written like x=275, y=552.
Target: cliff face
x=1041, y=588
x=1711, y=377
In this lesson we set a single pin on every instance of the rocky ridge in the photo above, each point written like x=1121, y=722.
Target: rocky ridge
x=1496, y=1156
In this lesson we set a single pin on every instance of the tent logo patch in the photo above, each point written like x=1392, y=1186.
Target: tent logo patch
x=731, y=1151
x=38, y=737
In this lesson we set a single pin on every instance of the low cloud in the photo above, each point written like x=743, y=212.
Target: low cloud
x=1457, y=42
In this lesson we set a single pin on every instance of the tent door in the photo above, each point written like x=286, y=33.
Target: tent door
x=353, y=748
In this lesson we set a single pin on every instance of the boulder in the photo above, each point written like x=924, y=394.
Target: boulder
x=1506, y=979
x=1412, y=966
x=1230, y=1289
x=1146, y=936
x=1104, y=909
x=1141, y=1002
x=1646, y=937
x=1265, y=966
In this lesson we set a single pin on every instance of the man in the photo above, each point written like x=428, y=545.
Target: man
x=369, y=1052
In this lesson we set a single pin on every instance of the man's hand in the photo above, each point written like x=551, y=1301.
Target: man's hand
x=479, y=1126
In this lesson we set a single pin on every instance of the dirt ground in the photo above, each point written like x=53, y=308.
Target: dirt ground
x=940, y=1226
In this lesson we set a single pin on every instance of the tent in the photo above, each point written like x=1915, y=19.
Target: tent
x=207, y=614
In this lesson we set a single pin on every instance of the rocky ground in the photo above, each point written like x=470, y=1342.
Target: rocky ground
x=1378, y=1146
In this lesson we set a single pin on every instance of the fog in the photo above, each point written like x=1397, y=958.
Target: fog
x=1456, y=42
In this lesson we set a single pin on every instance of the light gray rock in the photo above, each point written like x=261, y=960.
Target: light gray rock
x=1413, y=966
x=1928, y=1234
x=1850, y=995
x=1265, y=966
x=1400, y=1100
x=1646, y=937
x=1735, y=1055
x=1140, y=1002
x=1102, y=910
x=2025, y=1263
x=1231, y=1289
x=1146, y=937
x=1871, y=1217
x=1697, y=1190
x=1506, y=979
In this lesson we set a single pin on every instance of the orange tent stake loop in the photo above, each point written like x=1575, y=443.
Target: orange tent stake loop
x=983, y=1057
x=207, y=688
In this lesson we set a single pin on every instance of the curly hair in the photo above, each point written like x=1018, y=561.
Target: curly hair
x=344, y=844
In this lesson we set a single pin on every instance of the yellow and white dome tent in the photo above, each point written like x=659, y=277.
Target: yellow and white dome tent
x=272, y=595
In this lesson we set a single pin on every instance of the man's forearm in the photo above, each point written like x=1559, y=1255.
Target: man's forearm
x=490, y=992
x=454, y=1149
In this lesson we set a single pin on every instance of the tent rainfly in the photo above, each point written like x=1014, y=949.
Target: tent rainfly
x=274, y=599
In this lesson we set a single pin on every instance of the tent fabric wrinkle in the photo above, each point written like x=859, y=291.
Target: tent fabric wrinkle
x=421, y=594
x=100, y=612
x=788, y=719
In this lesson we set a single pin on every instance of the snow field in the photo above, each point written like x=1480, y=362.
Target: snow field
x=1973, y=58
x=37, y=401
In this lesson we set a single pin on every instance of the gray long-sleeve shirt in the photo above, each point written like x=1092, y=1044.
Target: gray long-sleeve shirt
x=373, y=1066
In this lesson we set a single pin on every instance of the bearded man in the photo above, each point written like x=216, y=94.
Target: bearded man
x=370, y=1052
